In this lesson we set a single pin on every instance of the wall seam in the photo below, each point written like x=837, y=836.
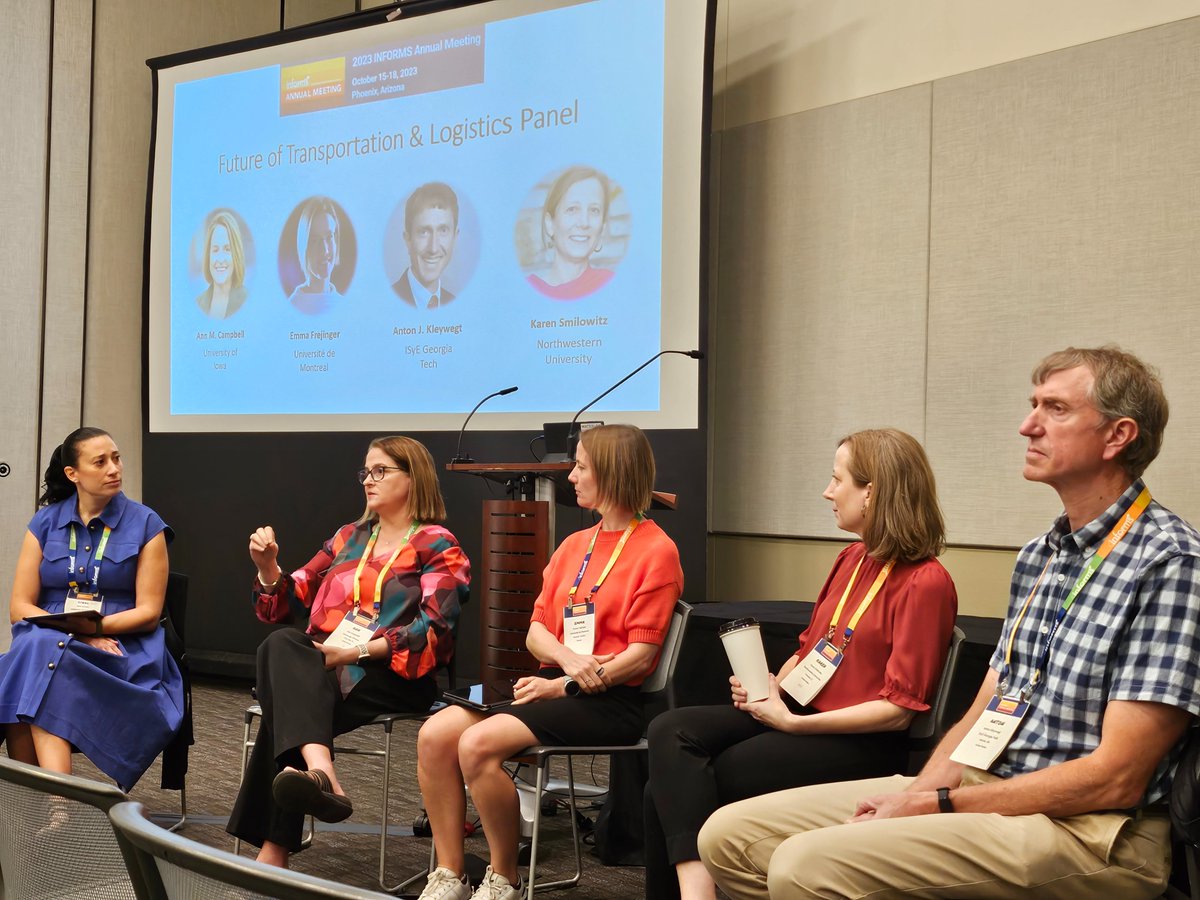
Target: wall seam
x=41, y=386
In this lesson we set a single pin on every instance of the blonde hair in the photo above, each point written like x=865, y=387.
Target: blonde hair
x=425, y=503
x=226, y=220
x=1123, y=387
x=903, y=518
x=622, y=464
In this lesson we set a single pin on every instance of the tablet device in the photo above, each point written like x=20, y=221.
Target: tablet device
x=84, y=622
x=473, y=697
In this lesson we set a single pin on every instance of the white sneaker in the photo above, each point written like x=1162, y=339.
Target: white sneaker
x=443, y=884
x=497, y=887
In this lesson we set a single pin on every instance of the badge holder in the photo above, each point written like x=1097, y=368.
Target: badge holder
x=83, y=601
x=991, y=733
x=352, y=632
x=813, y=672
x=579, y=627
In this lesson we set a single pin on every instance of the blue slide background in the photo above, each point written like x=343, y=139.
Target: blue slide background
x=608, y=54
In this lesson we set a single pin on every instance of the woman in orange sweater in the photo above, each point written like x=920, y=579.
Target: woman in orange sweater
x=597, y=629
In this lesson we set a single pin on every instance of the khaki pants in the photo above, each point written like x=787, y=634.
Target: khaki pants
x=796, y=844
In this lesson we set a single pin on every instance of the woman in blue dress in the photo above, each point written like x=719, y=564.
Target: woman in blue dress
x=115, y=694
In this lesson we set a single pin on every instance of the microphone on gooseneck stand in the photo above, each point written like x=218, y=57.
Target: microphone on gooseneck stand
x=458, y=457
x=573, y=434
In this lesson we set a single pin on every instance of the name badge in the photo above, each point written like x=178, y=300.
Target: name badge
x=78, y=602
x=813, y=672
x=353, y=631
x=991, y=733
x=579, y=628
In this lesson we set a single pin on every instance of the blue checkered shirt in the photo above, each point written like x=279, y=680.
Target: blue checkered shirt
x=1132, y=634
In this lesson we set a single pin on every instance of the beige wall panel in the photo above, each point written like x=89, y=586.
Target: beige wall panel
x=1065, y=209
x=785, y=56
x=25, y=74
x=127, y=32
x=819, y=324
x=66, y=226
x=788, y=569
x=304, y=12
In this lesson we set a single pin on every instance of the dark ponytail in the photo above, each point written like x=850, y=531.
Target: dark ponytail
x=57, y=485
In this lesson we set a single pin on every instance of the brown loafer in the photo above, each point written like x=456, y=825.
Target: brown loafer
x=310, y=793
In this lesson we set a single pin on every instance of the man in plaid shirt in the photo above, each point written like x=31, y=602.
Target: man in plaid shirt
x=1053, y=784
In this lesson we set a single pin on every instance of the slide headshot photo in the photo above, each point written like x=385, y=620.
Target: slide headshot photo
x=424, y=233
x=223, y=253
x=571, y=233
x=317, y=252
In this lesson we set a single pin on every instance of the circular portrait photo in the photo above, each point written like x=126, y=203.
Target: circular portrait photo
x=222, y=257
x=317, y=253
x=431, y=246
x=572, y=232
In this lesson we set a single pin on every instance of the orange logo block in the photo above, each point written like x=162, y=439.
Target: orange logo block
x=312, y=86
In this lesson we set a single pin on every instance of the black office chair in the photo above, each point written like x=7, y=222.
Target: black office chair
x=175, y=755
x=661, y=680
x=171, y=867
x=387, y=722
x=55, y=837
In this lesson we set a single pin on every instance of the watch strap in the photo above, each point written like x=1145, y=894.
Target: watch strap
x=944, y=803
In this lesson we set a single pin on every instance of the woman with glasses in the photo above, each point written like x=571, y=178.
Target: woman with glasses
x=383, y=596
x=597, y=629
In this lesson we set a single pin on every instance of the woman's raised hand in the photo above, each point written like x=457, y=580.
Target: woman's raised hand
x=264, y=551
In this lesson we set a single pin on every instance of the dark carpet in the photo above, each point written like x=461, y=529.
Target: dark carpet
x=348, y=852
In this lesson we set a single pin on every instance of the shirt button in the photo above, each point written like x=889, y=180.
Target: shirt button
x=51, y=665
x=61, y=644
x=87, y=548
x=81, y=570
x=1062, y=578
x=1045, y=629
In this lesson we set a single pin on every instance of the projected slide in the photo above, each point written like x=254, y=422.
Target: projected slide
x=440, y=210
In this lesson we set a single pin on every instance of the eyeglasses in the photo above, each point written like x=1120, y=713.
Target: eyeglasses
x=375, y=473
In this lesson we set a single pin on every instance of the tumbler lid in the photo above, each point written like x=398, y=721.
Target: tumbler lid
x=738, y=624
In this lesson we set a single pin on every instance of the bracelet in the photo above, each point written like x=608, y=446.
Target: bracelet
x=274, y=584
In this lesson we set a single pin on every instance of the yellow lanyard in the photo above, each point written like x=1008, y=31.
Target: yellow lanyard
x=1118, y=532
x=362, y=564
x=862, y=607
x=611, y=560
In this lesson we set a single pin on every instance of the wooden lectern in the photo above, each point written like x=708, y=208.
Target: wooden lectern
x=518, y=538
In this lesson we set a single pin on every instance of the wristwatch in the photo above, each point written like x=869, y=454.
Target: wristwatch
x=570, y=686
x=944, y=804
x=363, y=653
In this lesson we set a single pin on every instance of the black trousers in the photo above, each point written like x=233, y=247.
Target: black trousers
x=702, y=757
x=302, y=704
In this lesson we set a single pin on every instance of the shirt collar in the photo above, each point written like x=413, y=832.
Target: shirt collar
x=1087, y=539
x=110, y=515
x=421, y=294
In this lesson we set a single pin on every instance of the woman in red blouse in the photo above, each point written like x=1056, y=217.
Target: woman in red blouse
x=383, y=597
x=882, y=490
x=597, y=628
